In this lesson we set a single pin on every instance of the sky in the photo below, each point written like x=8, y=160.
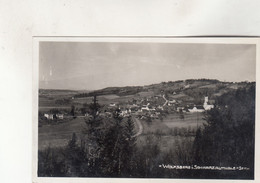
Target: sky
x=96, y=65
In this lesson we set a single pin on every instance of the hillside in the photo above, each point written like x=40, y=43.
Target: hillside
x=186, y=89
x=185, y=93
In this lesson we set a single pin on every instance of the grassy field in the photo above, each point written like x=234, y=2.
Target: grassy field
x=171, y=131
x=191, y=120
x=83, y=100
x=209, y=86
x=165, y=143
x=179, y=96
x=145, y=94
x=58, y=135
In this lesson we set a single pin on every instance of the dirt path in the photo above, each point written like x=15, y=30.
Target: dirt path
x=140, y=131
x=166, y=101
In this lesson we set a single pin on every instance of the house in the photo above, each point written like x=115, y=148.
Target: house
x=172, y=101
x=125, y=112
x=206, y=105
x=197, y=109
x=49, y=116
x=112, y=104
x=152, y=109
x=160, y=107
x=187, y=86
x=60, y=116
x=46, y=116
x=145, y=108
x=179, y=109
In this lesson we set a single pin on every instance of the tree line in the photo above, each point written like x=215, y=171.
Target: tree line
x=228, y=138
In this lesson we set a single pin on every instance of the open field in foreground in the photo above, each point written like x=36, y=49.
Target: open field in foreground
x=191, y=120
x=172, y=131
x=59, y=134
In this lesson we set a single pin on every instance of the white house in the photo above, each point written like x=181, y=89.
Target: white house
x=170, y=102
x=49, y=116
x=196, y=109
x=187, y=86
x=112, y=104
x=60, y=116
x=152, y=109
x=145, y=108
x=46, y=115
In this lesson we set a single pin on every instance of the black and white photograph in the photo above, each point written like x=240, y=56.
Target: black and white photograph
x=145, y=108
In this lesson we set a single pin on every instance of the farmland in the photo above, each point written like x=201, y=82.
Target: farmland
x=171, y=130
x=172, y=121
x=58, y=135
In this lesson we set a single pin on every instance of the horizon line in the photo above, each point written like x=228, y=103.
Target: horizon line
x=146, y=84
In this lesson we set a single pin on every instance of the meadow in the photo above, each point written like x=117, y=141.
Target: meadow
x=58, y=135
x=171, y=130
x=168, y=133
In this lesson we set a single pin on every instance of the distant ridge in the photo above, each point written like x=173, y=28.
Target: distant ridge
x=170, y=86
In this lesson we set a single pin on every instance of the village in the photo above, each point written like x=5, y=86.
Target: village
x=152, y=107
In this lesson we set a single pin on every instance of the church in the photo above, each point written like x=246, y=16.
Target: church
x=206, y=105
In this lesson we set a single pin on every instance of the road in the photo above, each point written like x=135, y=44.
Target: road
x=166, y=101
x=140, y=127
x=138, y=122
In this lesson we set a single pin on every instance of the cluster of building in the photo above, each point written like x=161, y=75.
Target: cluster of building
x=145, y=107
x=53, y=116
x=196, y=108
x=140, y=109
x=152, y=109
